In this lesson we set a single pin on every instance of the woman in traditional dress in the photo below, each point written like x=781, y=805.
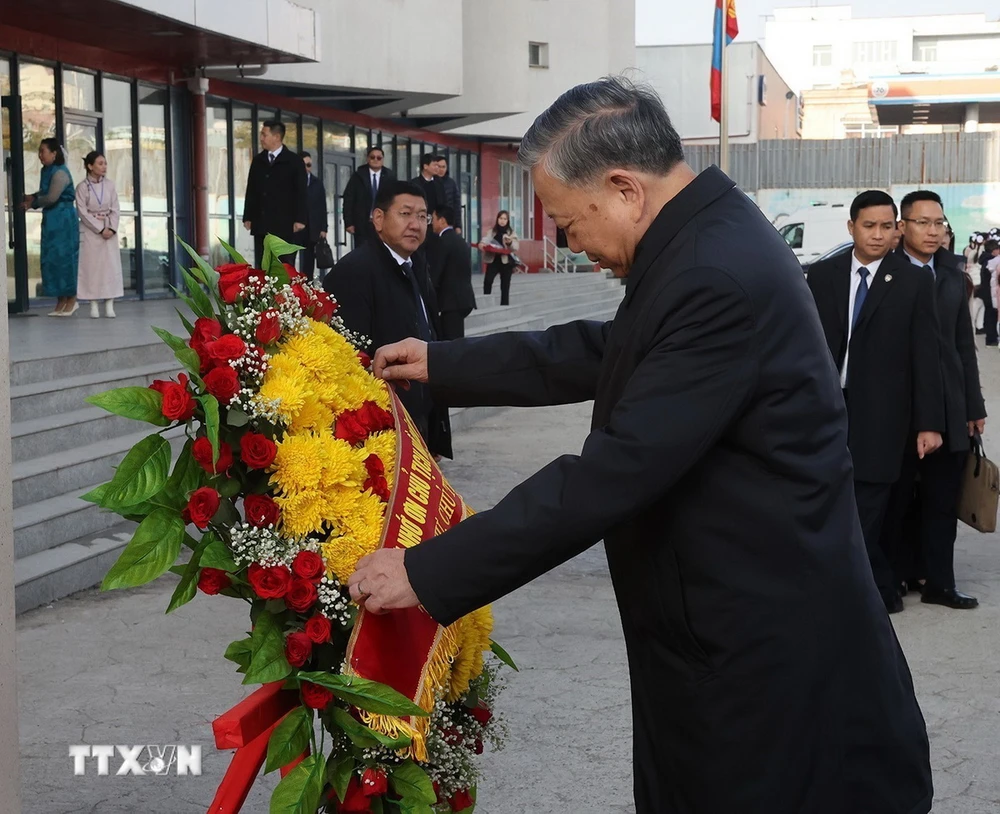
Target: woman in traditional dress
x=100, y=259
x=60, y=233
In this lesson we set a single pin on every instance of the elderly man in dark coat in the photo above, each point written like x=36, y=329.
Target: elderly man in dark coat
x=766, y=677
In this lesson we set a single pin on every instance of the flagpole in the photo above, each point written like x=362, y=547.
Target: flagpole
x=724, y=103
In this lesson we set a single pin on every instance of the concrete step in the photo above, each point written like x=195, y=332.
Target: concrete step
x=541, y=319
x=28, y=401
x=48, y=523
x=48, y=435
x=49, y=476
x=485, y=318
x=48, y=575
x=32, y=371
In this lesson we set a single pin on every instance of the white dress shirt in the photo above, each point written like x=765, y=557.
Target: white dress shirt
x=855, y=283
x=921, y=263
x=400, y=259
x=273, y=154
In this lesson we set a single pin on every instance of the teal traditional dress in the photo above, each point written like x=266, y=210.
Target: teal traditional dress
x=56, y=197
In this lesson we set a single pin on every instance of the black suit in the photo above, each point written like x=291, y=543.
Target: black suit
x=893, y=380
x=450, y=195
x=376, y=300
x=941, y=472
x=358, y=203
x=275, y=199
x=451, y=274
x=765, y=675
x=433, y=193
x=316, y=224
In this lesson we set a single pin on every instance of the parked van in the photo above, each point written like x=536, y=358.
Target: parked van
x=813, y=231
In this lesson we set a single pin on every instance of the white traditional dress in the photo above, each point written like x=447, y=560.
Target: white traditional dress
x=100, y=260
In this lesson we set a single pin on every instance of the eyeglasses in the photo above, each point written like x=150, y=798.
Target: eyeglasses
x=923, y=223
x=419, y=215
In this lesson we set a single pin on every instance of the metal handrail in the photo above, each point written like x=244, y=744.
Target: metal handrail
x=558, y=260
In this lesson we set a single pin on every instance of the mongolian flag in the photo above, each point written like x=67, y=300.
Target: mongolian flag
x=725, y=26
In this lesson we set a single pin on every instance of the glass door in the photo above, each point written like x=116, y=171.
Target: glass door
x=337, y=171
x=13, y=165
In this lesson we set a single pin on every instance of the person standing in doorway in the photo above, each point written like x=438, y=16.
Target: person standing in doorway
x=275, y=201
x=451, y=274
x=429, y=182
x=360, y=194
x=317, y=218
x=923, y=224
x=100, y=275
x=60, y=247
x=502, y=236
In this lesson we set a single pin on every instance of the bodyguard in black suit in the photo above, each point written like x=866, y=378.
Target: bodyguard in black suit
x=384, y=292
x=317, y=218
x=275, y=202
x=360, y=194
x=430, y=183
x=879, y=319
x=451, y=274
x=923, y=224
x=765, y=675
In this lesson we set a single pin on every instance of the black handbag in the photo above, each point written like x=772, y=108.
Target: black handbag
x=324, y=254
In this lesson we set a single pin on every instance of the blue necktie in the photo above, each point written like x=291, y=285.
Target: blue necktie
x=422, y=325
x=861, y=296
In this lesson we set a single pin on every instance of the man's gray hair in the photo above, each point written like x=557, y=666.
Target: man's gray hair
x=613, y=122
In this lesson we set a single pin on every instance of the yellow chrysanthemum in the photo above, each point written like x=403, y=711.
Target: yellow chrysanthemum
x=364, y=519
x=299, y=463
x=314, y=415
x=353, y=391
x=383, y=444
x=474, y=639
x=378, y=391
x=287, y=384
x=303, y=513
x=341, y=556
x=342, y=464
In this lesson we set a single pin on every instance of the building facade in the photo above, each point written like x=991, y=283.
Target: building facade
x=761, y=104
x=174, y=93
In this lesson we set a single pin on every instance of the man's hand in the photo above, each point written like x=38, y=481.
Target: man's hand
x=402, y=361
x=975, y=426
x=322, y=235
x=298, y=227
x=350, y=230
x=247, y=225
x=380, y=582
x=928, y=442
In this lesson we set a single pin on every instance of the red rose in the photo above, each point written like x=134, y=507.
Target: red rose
x=298, y=649
x=478, y=746
x=256, y=280
x=318, y=629
x=308, y=565
x=201, y=451
x=269, y=327
x=226, y=348
x=261, y=511
x=374, y=418
x=374, y=782
x=202, y=506
x=294, y=274
x=379, y=486
x=324, y=308
x=374, y=465
x=178, y=404
x=301, y=596
x=365, y=359
x=481, y=714
x=213, y=580
x=232, y=268
x=461, y=800
x=205, y=330
x=186, y=516
x=257, y=451
x=231, y=278
x=350, y=429
x=355, y=801
x=315, y=696
x=223, y=383
x=269, y=583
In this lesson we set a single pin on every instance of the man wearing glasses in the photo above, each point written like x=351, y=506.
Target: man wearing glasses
x=923, y=224
x=316, y=217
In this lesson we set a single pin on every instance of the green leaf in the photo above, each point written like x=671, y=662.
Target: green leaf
x=299, y=791
x=203, y=272
x=211, y=407
x=186, y=477
x=240, y=652
x=96, y=495
x=503, y=655
x=185, y=355
x=152, y=550
x=411, y=783
x=141, y=474
x=235, y=417
x=139, y=403
x=202, y=305
x=185, y=321
x=339, y=769
x=188, y=586
x=274, y=249
x=189, y=302
x=414, y=807
x=365, y=694
x=216, y=554
x=235, y=255
x=229, y=487
x=267, y=658
x=289, y=739
x=173, y=342
x=376, y=805
x=363, y=736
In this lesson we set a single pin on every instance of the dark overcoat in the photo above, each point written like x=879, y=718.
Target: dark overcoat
x=765, y=675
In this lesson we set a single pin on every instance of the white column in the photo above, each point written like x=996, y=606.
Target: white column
x=10, y=766
x=972, y=117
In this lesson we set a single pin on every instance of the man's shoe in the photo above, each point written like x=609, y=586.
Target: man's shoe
x=894, y=603
x=950, y=599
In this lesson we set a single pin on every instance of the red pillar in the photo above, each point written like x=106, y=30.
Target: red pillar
x=198, y=87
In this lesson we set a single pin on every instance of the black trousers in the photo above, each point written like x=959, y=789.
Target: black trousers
x=309, y=260
x=258, y=252
x=873, y=502
x=453, y=324
x=901, y=528
x=940, y=482
x=505, y=270
x=990, y=322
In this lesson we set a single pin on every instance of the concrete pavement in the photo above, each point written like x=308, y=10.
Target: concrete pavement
x=112, y=669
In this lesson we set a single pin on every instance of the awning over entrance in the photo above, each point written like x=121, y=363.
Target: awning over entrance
x=176, y=34
x=924, y=99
